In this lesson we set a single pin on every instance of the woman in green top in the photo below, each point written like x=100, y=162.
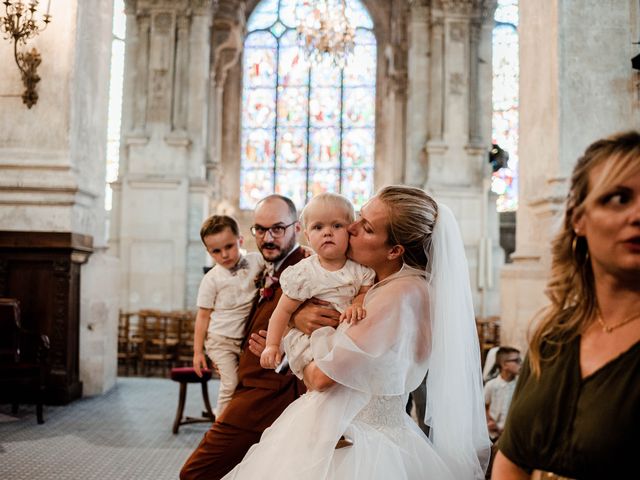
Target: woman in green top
x=576, y=409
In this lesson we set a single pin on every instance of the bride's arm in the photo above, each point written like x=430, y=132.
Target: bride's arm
x=315, y=379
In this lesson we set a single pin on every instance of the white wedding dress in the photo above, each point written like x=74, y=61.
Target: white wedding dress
x=375, y=364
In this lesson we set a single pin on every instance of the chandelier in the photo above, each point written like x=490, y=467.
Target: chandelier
x=19, y=23
x=324, y=31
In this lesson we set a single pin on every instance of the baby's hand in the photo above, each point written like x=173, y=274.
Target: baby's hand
x=270, y=357
x=354, y=313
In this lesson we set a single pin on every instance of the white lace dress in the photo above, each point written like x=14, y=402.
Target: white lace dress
x=375, y=363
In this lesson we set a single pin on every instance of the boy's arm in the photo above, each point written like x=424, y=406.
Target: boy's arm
x=278, y=322
x=200, y=330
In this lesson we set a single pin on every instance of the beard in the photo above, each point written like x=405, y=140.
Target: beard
x=269, y=248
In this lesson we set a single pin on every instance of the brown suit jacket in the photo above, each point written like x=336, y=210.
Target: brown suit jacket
x=261, y=395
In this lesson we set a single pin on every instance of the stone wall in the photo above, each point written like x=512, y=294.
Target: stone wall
x=52, y=161
x=581, y=89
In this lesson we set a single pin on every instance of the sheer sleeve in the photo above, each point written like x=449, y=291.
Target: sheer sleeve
x=387, y=352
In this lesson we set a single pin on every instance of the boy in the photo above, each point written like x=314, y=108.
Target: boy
x=499, y=390
x=224, y=302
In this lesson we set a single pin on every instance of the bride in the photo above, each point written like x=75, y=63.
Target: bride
x=419, y=317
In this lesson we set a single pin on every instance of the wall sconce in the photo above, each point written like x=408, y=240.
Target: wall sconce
x=19, y=23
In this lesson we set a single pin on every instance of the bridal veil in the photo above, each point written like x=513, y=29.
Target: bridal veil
x=455, y=402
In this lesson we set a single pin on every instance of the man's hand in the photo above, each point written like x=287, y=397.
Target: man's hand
x=306, y=251
x=270, y=357
x=314, y=314
x=257, y=342
x=199, y=363
x=354, y=313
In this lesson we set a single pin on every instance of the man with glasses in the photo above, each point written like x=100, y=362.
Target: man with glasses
x=261, y=395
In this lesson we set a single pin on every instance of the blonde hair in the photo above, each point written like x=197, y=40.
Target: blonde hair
x=571, y=287
x=327, y=200
x=412, y=217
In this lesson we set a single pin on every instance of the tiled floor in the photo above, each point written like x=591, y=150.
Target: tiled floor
x=125, y=434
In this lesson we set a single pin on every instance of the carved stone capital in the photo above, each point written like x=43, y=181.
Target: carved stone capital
x=198, y=7
x=233, y=11
x=487, y=9
x=458, y=7
x=227, y=40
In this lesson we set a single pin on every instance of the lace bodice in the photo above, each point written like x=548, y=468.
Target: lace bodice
x=384, y=412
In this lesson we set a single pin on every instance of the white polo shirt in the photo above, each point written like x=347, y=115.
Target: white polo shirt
x=498, y=393
x=230, y=295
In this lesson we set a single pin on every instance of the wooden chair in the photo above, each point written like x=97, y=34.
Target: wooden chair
x=488, y=334
x=128, y=343
x=184, y=348
x=23, y=360
x=159, y=339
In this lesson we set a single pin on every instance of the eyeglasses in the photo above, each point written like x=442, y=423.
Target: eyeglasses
x=516, y=360
x=276, y=231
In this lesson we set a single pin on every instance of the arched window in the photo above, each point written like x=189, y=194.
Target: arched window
x=115, y=97
x=306, y=128
x=505, y=101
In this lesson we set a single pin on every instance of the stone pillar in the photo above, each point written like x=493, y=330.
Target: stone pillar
x=418, y=91
x=161, y=197
x=457, y=133
x=227, y=45
x=391, y=144
x=52, y=183
x=580, y=90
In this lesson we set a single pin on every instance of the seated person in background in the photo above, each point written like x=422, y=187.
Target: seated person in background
x=328, y=275
x=224, y=301
x=499, y=390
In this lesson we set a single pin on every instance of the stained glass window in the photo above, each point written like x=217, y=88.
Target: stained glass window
x=306, y=128
x=505, y=101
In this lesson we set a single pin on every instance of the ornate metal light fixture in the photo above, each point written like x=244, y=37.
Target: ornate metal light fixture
x=324, y=31
x=20, y=24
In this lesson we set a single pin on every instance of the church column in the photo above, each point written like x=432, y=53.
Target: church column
x=392, y=112
x=52, y=182
x=580, y=90
x=417, y=93
x=227, y=45
x=161, y=195
x=457, y=139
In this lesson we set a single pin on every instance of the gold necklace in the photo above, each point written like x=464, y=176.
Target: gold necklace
x=610, y=328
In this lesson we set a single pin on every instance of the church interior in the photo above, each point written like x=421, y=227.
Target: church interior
x=126, y=123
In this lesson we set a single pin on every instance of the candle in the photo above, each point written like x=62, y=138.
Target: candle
x=48, y=6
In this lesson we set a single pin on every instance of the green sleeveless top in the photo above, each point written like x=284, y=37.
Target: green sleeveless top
x=574, y=427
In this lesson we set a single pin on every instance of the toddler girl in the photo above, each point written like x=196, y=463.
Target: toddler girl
x=328, y=275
